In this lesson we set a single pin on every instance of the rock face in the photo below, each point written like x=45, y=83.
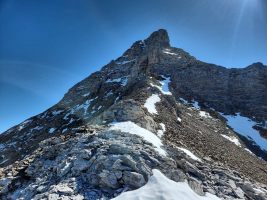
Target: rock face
x=70, y=151
x=233, y=90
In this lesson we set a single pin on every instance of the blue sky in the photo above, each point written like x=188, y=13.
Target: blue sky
x=49, y=45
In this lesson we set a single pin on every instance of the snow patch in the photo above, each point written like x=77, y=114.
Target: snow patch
x=117, y=98
x=132, y=128
x=83, y=106
x=51, y=130
x=244, y=126
x=232, y=139
x=57, y=112
x=163, y=129
x=125, y=62
x=204, y=114
x=109, y=94
x=3, y=157
x=168, y=51
x=71, y=120
x=44, y=115
x=183, y=100
x=196, y=105
x=249, y=151
x=260, y=190
x=123, y=81
x=23, y=124
x=150, y=103
x=164, y=88
x=159, y=187
x=13, y=144
x=66, y=116
x=37, y=128
x=86, y=95
x=190, y=154
x=179, y=119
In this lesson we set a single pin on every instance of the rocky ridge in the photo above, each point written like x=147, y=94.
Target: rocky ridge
x=71, y=152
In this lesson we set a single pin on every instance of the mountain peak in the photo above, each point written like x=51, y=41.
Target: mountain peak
x=155, y=107
x=256, y=65
x=159, y=38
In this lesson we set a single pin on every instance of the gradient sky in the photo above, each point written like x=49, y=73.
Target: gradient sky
x=46, y=46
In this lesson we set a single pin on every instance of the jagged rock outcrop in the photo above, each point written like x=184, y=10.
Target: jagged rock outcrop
x=70, y=151
x=102, y=163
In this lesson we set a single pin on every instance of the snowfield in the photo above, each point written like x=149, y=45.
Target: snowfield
x=243, y=126
x=150, y=103
x=159, y=187
x=132, y=128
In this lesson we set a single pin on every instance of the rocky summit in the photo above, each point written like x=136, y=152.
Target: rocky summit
x=156, y=123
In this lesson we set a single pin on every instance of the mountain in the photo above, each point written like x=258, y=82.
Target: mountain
x=154, y=120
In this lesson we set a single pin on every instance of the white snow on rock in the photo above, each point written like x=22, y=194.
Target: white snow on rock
x=243, y=126
x=37, y=128
x=23, y=124
x=4, y=160
x=71, y=120
x=83, y=107
x=168, y=51
x=164, y=88
x=190, y=154
x=159, y=187
x=196, y=105
x=66, y=116
x=179, y=119
x=63, y=188
x=163, y=129
x=44, y=115
x=51, y=130
x=125, y=62
x=204, y=114
x=150, y=103
x=132, y=128
x=183, y=100
x=249, y=151
x=117, y=98
x=109, y=94
x=13, y=144
x=123, y=81
x=260, y=191
x=232, y=139
x=64, y=130
x=56, y=112
x=86, y=95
